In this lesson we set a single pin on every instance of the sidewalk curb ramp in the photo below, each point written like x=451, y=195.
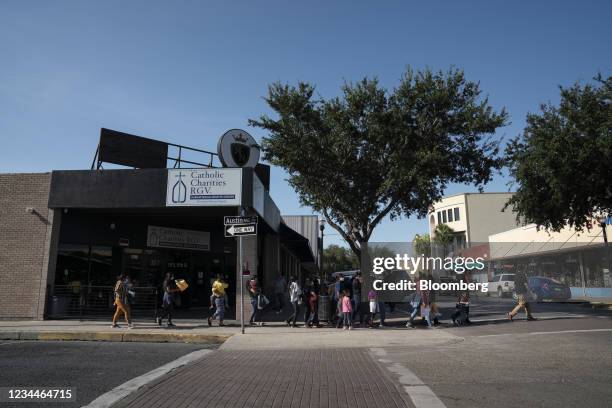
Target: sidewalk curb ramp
x=115, y=336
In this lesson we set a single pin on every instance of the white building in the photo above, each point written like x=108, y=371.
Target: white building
x=473, y=216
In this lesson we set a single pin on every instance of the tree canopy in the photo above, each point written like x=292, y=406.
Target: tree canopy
x=337, y=258
x=443, y=235
x=562, y=162
x=421, y=245
x=371, y=153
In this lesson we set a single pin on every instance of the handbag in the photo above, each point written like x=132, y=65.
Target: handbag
x=262, y=302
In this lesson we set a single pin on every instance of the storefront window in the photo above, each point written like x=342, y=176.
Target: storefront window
x=72, y=265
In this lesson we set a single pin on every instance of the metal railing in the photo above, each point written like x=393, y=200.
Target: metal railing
x=177, y=158
x=70, y=301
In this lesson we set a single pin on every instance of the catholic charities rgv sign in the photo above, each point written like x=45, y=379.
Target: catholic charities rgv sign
x=204, y=187
x=162, y=237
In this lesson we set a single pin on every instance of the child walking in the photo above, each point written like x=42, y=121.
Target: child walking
x=347, y=310
x=373, y=306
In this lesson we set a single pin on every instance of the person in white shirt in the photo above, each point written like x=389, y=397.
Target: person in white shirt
x=295, y=293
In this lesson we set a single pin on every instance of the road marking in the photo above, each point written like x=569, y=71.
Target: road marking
x=573, y=331
x=125, y=389
x=540, y=317
x=420, y=394
x=547, y=332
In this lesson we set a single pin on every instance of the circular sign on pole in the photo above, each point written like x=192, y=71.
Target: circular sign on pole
x=237, y=148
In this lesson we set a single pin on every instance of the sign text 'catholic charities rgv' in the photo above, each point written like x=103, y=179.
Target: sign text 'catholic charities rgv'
x=204, y=187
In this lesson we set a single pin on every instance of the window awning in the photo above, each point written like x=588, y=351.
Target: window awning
x=296, y=243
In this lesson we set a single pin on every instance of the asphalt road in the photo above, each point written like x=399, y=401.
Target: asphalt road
x=562, y=360
x=93, y=368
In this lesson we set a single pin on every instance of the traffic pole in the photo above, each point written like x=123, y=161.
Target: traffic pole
x=241, y=278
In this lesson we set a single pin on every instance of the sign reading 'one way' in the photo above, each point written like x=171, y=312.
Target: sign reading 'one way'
x=238, y=226
x=240, y=230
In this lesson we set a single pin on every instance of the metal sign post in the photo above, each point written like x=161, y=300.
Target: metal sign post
x=241, y=281
x=238, y=227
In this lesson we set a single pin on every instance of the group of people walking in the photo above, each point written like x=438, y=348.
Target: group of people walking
x=347, y=303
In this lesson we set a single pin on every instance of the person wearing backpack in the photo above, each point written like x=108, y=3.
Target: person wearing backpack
x=295, y=293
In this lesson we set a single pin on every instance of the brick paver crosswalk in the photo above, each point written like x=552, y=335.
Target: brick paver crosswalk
x=275, y=378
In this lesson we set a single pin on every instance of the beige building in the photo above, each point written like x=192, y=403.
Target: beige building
x=473, y=216
x=574, y=258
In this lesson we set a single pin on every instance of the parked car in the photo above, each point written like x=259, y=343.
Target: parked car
x=547, y=289
x=501, y=285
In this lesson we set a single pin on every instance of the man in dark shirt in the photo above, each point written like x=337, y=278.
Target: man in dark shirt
x=521, y=288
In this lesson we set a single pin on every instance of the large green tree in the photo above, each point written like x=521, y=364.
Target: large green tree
x=371, y=153
x=563, y=159
x=337, y=258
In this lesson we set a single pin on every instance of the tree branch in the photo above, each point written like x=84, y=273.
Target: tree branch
x=379, y=217
x=344, y=234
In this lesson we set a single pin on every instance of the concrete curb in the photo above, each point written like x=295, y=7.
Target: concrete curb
x=115, y=336
x=601, y=305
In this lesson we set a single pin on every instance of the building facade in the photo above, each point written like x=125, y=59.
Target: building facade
x=472, y=216
x=66, y=236
x=577, y=259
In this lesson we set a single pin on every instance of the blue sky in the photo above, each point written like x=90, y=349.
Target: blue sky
x=186, y=71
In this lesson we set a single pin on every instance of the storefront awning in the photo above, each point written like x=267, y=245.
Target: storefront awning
x=296, y=243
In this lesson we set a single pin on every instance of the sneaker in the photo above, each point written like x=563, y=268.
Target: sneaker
x=531, y=318
x=159, y=321
x=209, y=321
x=381, y=325
x=130, y=326
x=510, y=317
x=170, y=324
x=350, y=327
x=114, y=326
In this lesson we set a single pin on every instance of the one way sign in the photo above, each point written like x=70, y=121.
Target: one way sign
x=240, y=230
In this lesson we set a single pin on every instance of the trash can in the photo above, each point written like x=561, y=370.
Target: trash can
x=59, y=306
x=323, y=308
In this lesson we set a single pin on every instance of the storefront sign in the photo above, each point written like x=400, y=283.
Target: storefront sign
x=204, y=187
x=162, y=237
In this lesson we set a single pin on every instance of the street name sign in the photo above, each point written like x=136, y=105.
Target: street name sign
x=238, y=230
x=234, y=220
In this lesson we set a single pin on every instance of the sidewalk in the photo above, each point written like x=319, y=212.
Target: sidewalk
x=185, y=331
x=269, y=336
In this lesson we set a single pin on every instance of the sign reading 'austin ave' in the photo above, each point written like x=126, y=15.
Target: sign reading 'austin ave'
x=233, y=220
